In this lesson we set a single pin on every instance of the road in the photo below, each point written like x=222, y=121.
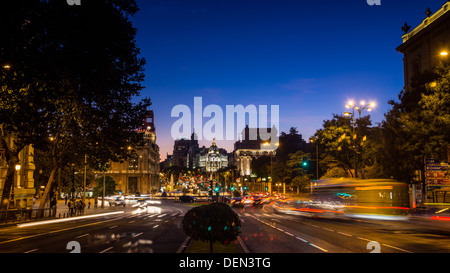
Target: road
x=127, y=232
x=263, y=231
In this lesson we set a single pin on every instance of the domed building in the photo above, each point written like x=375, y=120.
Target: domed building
x=213, y=159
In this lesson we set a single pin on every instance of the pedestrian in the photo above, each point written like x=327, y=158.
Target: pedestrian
x=53, y=206
x=65, y=199
x=89, y=203
x=95, y=201
x=71, y=207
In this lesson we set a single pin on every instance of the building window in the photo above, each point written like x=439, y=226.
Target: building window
x=133, y=163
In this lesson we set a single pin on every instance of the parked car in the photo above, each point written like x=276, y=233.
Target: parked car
x=187, y=199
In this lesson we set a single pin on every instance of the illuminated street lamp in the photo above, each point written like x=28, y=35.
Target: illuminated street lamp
x=360, y=108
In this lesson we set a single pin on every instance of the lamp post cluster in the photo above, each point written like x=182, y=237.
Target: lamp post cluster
x=359, y=108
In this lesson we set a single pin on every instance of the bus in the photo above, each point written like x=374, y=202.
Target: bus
x=384, y=199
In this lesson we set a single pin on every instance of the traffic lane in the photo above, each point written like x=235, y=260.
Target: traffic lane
x=48, y=238
x=131, y=233
x=267, y=236
x=393, y=236
x=21, y=239
x=150, y=234
x=334, y=239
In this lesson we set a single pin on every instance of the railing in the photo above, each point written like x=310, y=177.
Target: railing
x=426, y=22
x=23, y=215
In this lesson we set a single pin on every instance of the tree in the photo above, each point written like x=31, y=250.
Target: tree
x=417, y=126
x=215, y=222
x=81, y=68
x=340, y=145
x=110, y=186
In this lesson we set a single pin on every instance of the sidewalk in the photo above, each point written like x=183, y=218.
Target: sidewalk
x=62, y=211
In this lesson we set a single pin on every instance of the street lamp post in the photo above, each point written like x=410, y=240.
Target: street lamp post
x=360, y=108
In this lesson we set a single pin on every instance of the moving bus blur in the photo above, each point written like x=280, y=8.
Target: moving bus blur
x=348, y=197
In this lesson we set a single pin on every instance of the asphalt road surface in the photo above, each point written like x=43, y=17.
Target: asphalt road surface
x=264, y=231
x=158, y=230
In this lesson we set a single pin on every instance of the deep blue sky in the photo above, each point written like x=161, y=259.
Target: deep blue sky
x=307, y=56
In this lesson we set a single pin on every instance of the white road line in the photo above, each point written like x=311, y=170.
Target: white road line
x=112, y=227
x=156, y=226
x=289, y=233
x=81, y=236
x=55, y=231
x=33, y=250
x=301, y=239
x=136, y=235
x=103, y=251
x=364, y=239
x=131, y=222
x=329, y=229
x=318, y=247
x=161, y=215
x=404, y=250
x=345, y=234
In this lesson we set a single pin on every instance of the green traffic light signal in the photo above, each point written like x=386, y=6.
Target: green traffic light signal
x=305, y=162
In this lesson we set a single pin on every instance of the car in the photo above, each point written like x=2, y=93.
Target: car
x=117, y=202
x=237, y=202
x=187, y=199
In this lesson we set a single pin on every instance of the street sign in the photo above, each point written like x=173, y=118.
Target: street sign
x=437, y=182
x=431, y=161
x=436, y=167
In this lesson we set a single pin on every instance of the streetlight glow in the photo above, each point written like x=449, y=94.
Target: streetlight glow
x=444, y=53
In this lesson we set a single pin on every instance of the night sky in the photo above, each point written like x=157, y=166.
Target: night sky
x=308, y=57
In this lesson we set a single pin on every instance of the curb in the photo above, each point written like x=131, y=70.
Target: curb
x=185, y=245
x=242, y=245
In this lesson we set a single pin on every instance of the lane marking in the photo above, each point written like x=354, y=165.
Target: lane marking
x=56, y=231
x=404, y=250
x=318, y=247
x=301, y=239
x=345, y=234
x=81, y=236
x=136, y=235
x=109, y=248
x=33, y=250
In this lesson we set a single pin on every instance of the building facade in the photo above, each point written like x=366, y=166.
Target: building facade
x=427, y=45
x=252, y=146
x=140, y=173
x=187, y=154
x=23, y=190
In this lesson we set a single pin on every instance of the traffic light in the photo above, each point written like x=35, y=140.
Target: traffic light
x=305, y=162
